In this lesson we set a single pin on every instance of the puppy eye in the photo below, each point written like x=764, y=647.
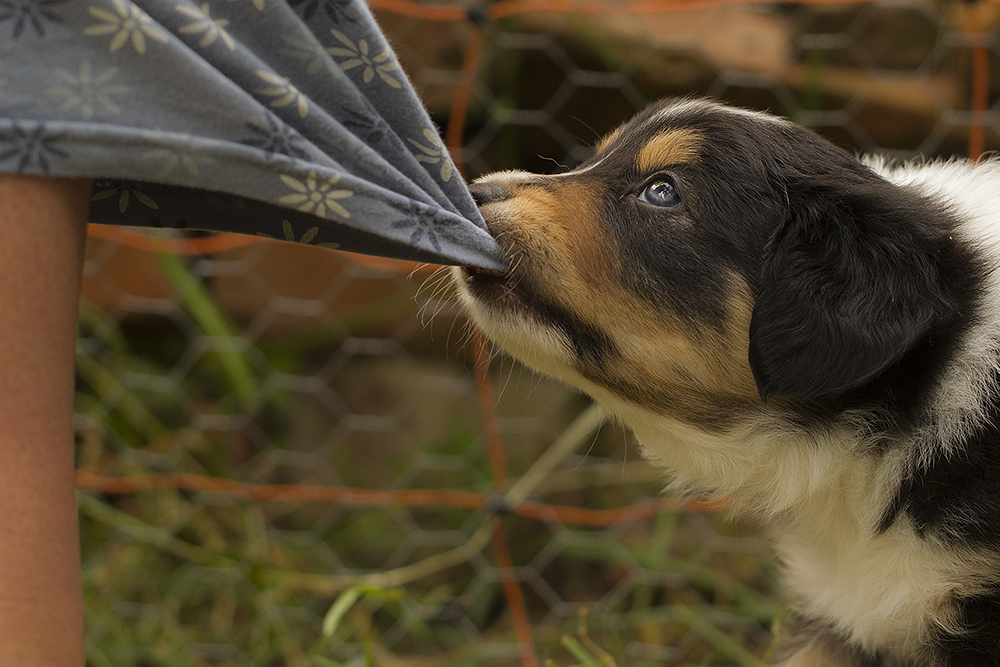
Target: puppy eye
x=661, y=192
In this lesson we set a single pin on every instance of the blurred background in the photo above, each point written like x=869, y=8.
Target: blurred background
x=287, y=455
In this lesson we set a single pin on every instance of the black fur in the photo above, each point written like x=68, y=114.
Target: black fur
x=850, y=283
x=856, y=272
x=956, y=496
x=979, y=644
x=862, y=294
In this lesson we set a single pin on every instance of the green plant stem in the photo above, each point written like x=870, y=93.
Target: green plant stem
x=567, y=442
x=106, y=385
x=143, y=532
x=719, y=640
x=213, y=322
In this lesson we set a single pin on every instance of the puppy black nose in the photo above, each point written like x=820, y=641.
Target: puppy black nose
x=488, y=193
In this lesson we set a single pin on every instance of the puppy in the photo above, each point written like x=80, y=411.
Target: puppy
x=812, y=336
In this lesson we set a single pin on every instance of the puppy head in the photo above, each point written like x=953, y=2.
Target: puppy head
x=708, y=258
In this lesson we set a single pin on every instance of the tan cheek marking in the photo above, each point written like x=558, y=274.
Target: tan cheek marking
x=693, y=374
x=668, y=148
x=579, y=263
x=563, y=233
x=730, y=356
x=570, y=258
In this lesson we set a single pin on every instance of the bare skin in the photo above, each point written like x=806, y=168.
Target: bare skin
x=42, y=230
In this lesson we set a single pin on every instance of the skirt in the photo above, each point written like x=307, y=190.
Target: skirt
x=291, y=120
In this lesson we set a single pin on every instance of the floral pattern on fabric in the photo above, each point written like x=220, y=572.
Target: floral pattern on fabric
x=290, y=119
x=125, y=23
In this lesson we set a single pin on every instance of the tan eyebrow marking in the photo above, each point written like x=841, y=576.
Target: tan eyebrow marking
x=668, y=148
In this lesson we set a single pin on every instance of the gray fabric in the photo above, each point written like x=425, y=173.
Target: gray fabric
x=284, y=119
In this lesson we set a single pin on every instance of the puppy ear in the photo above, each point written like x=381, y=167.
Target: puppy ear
x=850, y=281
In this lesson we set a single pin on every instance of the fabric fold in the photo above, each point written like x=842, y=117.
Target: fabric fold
x=288, y=120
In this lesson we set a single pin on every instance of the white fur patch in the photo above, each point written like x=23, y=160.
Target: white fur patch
x=822, y=492
x=689, y=105
x=971, y=192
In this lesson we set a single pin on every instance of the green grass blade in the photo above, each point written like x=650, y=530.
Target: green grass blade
x=213, y=322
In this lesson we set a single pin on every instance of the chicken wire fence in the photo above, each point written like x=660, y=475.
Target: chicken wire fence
x=292, y=456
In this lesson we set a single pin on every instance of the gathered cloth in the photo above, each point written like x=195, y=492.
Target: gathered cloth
x=286, y=119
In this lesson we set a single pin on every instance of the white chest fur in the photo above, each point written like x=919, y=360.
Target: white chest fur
x=888, y=591
x=822, y=503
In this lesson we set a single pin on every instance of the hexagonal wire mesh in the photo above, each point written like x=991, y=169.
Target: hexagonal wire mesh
x=341, y=391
